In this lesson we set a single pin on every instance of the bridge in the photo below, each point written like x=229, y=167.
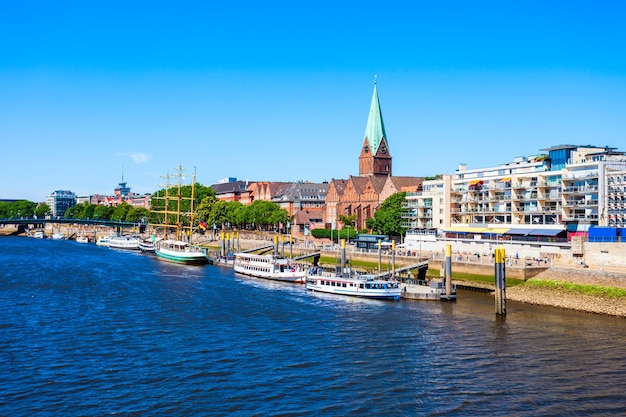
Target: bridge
x=35, y=222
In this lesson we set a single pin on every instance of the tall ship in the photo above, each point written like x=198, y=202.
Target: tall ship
x=176, y=220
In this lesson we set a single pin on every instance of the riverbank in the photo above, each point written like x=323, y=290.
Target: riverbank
x=553, y=296
x=557, y=296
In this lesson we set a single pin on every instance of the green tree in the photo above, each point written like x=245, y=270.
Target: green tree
x=388, y=218
x=120, y=212
x=102, y=212
x=137, y=214
x=42, y=210
x=265, y=214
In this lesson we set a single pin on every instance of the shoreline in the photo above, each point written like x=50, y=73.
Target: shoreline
x=572, y=300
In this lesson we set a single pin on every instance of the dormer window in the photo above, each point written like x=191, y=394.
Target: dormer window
x=366, y=149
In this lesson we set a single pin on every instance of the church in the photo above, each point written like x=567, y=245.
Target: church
x=362, y=195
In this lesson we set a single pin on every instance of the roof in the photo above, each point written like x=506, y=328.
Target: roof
x=375, y=129
x=504, y=231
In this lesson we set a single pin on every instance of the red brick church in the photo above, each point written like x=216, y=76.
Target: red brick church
x=364, y=194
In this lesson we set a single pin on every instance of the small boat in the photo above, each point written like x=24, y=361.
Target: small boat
x=58, y=236
x=146, y=245
x=38, y=234
x=273, y=267
x=353, y=284
x=124, y=242
x=180, y=252
x=82, y=239
x=103, y=240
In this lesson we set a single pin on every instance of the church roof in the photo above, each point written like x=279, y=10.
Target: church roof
x=375, y=130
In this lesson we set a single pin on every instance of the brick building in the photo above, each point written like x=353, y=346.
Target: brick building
x=362, y=195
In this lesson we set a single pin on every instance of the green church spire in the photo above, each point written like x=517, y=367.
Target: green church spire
x=375, y=130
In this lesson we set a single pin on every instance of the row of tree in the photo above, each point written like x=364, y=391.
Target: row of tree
x=260, y=215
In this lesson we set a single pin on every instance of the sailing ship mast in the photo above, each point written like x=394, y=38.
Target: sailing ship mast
x=179, y=227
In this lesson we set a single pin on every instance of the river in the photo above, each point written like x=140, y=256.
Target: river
x=92, y=331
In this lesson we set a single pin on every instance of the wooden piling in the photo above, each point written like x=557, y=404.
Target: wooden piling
x=500, y=276
x=447, y=277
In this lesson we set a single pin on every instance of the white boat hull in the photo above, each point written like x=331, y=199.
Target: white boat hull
x=180, y=253
x=362, y=287
x=124, y=242
x=269, y=267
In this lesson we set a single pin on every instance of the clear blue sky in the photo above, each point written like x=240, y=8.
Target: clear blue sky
x=280, y=91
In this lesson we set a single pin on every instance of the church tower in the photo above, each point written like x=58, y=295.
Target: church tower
x=375, y=159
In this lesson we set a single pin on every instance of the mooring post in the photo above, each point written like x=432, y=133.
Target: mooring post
x=223, y=244
x=275, y=245
x=238, y=243
x=343, y=256
x=290, y=247
x=500, y=281
x=393, y=259
x=379, y=257
x=447, y=277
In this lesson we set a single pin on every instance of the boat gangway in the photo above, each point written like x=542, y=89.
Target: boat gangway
x=422, y=266
x=309, y=255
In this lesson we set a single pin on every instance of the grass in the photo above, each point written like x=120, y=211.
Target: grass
x=586, y=289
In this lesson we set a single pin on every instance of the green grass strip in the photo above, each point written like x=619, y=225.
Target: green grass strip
x=587, y=289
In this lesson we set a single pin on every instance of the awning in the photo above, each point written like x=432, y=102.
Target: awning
x=545, y=232
x=518, y=231
x=505, y=179
x=496, y=230
x=464, y=229
x=474, y=182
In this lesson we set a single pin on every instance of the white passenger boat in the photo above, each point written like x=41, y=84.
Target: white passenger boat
x=353, y=284
x=146, y=245
x=273, y=267
x=82, y=239
x=124, y=242
x=38, y=234
x=103, y=240
x=58, y=236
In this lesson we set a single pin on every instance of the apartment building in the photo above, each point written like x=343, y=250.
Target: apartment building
x=568, y=188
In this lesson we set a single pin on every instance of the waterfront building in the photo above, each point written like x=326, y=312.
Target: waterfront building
x=231, y=189
x=305, y=203
x=565, y=191
x=59, y=201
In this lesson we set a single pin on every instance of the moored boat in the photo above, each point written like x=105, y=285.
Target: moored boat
x=103, y=240
x=38, y=234
x=58, y=236
x=182, y=221
x=180, y=252
x=351, y=283
x=82, y=239
x=146, y=245
x=271, y=266
x=124, y=242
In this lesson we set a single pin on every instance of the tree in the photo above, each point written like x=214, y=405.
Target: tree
x=388, y=219
x=42, y=210
x=137, y=214
x=119, y=213
x=102, y=212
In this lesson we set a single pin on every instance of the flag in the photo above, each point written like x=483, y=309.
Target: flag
x=203, y=225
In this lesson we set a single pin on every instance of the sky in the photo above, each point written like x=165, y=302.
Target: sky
x=93, y=92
